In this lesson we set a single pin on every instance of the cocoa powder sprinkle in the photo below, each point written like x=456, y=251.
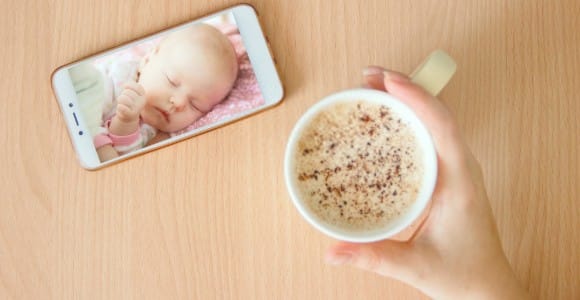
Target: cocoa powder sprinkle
x=358, y=174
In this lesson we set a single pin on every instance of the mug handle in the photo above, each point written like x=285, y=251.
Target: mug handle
x=435, y=72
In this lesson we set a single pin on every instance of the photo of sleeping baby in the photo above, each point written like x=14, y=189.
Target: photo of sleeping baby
x=160, y=88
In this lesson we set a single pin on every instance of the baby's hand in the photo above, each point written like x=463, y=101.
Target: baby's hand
x=130, y=102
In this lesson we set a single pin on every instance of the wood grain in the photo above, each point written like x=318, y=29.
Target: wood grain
x=209, y=218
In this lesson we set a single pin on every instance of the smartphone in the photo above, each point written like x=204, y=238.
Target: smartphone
x=167, y=87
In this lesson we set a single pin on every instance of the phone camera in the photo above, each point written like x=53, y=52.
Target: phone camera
x=81, y=132
x=70, y=105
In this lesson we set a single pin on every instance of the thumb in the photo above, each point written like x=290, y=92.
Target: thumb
x=388, y=258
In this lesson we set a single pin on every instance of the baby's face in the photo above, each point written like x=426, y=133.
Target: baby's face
x=186, y=76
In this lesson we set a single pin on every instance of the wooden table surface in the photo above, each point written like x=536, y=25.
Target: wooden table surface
x=210, y=218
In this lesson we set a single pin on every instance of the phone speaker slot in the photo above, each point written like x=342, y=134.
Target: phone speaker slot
x=76, y=120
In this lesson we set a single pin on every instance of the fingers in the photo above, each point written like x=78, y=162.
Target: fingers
x=130, y=95
x=434, y=114
x=134, y=86
x=129, y=105
x=373, y=78
x=124, y=110
x=131, y=100
x=128, y=99
x=451, y=149
x=387, y=258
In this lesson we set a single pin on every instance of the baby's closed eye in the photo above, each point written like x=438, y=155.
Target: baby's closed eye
x=171, y=81
x=196, y=106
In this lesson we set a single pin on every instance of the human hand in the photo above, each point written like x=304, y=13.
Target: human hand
x=456, y=252
x=130, y=102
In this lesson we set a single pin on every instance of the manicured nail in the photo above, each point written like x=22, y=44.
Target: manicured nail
x=395, y=76
x=373, y=70
x=338, y=259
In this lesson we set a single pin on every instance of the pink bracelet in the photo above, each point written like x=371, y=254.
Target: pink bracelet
x=101, y=140
x=123, y=140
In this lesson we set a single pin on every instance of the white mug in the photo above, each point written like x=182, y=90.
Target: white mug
x=433, y=75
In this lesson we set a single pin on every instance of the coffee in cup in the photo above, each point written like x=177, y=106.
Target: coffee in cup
x=359, y=165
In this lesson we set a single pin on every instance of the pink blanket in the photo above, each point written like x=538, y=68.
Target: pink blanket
x=244, y=96
x=246, y=93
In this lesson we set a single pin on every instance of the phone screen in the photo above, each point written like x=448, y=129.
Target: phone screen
x=175, y=83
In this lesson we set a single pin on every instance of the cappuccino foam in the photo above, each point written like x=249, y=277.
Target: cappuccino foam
x=358, y=165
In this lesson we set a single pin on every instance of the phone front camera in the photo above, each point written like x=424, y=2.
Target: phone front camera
x=81, y=132
x=70, y=105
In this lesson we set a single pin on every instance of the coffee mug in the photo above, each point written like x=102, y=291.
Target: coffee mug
x=433, y=74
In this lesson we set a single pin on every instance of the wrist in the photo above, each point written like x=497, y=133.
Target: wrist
x=498, y=282
x=123, y=126
x=101, y=140
x=492, y=279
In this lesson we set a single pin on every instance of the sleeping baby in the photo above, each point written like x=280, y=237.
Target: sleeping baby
x=177, y=82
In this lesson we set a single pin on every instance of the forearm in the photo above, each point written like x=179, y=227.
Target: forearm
x=496, y=282
x=107, y=152
x=504, y=285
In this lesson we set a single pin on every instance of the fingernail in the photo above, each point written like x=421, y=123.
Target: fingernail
x=373, y=70
x=338, y=259
x=395, y=76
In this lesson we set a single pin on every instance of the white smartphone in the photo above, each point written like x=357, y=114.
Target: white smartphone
x=167, y=87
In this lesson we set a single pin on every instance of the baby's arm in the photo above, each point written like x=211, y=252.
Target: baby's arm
x=107, y=152
x=129, y=106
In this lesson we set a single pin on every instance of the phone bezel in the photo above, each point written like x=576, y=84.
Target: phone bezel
x=260, y=58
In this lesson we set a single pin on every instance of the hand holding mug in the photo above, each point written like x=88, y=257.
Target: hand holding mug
x=456, y=253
